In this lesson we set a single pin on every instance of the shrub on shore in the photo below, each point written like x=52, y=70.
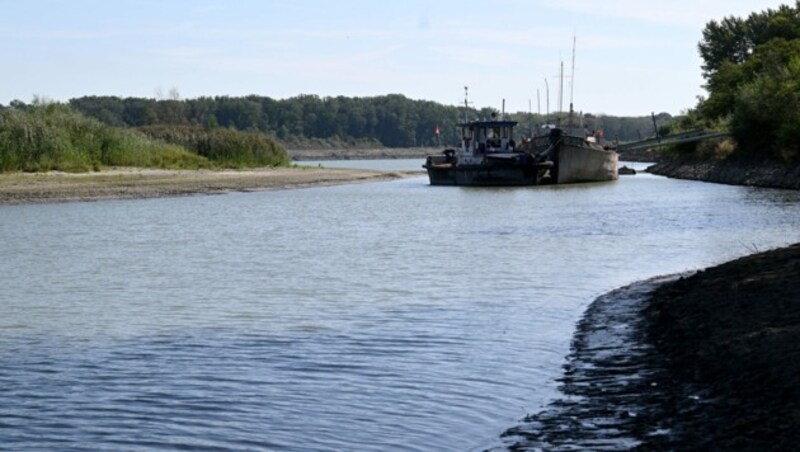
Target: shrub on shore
x=51, y=136
x=226, y=147
x=753, y=79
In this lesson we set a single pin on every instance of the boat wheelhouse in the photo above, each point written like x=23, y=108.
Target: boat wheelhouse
x=487, y=155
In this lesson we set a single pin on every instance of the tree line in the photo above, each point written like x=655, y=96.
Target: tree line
x=752, y=70
x=309, y=120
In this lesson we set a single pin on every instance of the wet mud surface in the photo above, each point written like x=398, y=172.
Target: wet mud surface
x=707, y=361
x=732, y=332
x=611, y=385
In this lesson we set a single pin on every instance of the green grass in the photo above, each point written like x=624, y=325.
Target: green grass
x=226, y=147
x=54, y=137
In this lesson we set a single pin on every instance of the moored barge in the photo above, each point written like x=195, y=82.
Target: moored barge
x=489, y=156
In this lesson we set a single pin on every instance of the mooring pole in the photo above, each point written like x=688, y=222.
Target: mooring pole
x=653, y=115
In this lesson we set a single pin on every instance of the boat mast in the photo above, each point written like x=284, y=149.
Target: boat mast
x=572, y=79
x=547, y=91
x=560, y=93
x=466, y=103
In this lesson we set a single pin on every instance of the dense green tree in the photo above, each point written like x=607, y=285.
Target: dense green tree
x=727, y=41
x=105, y=108
x=767, y=112
x=751, y=70
x=392, y=120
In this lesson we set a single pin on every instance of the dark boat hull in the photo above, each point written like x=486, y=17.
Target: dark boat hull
x=572, y=164
x=483, y=176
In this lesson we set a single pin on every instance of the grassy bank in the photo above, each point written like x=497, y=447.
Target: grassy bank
x=53, y=137
x=226, y=147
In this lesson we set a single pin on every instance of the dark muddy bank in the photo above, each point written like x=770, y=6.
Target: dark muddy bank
x=708, y=361
x=769, y=175
x=613, y=384
x=731, y=337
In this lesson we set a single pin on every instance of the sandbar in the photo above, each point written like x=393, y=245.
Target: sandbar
x=134, y=183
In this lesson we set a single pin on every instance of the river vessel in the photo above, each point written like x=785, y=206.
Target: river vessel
x=488, y=155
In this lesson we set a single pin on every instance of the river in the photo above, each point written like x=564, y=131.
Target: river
x=373, y=316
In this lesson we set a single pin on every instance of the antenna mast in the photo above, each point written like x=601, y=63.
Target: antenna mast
x=530, y=113
x=547, y=88
x=572, y=77
x=560, y=93
x=466, y=103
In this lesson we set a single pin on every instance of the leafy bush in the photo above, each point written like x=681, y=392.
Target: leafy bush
x=767, y=115
x=753, y=73
x=226, y=147
x=51, y=136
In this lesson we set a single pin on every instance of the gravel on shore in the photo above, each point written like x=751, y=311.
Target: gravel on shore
x=131, y=183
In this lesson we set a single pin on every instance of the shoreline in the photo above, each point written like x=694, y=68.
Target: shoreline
x=763, y=174
x=137, y=183
x=610, y=385
x=704, y=360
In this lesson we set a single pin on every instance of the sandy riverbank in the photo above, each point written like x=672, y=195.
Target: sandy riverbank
x=130, y=183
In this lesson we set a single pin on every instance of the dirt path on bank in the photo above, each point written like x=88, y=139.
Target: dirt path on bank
x=132, y=183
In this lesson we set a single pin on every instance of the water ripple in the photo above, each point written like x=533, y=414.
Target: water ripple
x=391, y=316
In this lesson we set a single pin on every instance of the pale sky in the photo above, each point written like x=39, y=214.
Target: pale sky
x=633, y=56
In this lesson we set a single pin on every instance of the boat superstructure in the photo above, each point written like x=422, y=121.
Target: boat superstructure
x=489, y=155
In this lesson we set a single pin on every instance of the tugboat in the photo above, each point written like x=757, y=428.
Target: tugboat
x=489, y=156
